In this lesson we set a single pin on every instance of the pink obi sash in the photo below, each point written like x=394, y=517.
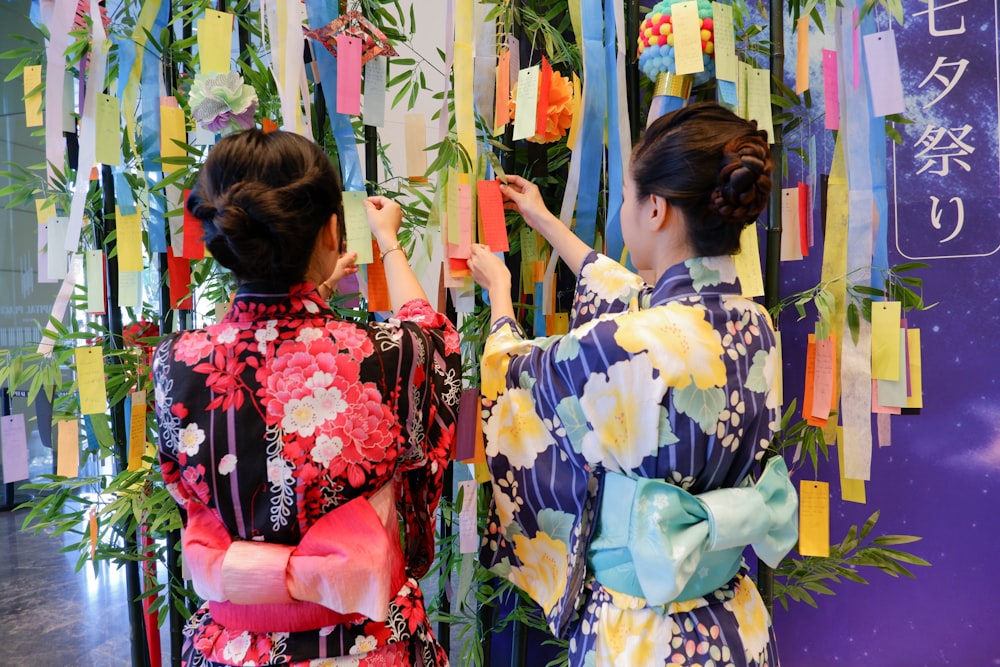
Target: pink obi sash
x=346, y=567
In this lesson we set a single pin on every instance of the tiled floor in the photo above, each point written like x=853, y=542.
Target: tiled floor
x=51, y=616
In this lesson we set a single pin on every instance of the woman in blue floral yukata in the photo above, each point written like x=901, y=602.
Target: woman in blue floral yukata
x=625, y=455
x=299, y=445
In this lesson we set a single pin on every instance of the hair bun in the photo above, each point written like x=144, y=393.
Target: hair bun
x=236, y=231
x=744, y=180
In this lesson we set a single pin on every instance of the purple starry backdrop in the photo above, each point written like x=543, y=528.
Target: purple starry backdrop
x=940, y=478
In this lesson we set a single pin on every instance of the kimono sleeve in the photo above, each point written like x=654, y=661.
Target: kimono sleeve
x=430, y=375
x=604, y=286
x=544, y=492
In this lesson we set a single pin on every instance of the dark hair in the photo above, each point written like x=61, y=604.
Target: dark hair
x=262, y=200
x=712, y=165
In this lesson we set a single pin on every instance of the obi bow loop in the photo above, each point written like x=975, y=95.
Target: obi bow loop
x=656, y=541
x=348, y=562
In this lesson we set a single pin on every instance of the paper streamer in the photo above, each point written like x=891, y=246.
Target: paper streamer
x=88, y=130
x=59, y=307
x=619, y=131
x=57, y=16
x=591, y=139
x=320, y=13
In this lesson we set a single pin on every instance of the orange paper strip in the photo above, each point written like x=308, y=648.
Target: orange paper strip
x=378, y=286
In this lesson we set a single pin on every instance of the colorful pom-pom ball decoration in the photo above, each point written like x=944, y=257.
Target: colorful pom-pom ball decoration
x=656, y=41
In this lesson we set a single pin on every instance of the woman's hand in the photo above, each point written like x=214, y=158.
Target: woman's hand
x=523, y=196
x=346, y=265
x=493, y=275
x=488, y=270
x=384, y=219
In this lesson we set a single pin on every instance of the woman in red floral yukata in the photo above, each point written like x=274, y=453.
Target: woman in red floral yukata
x=301, y=446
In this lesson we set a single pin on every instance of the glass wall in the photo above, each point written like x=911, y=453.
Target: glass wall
x=24, y=301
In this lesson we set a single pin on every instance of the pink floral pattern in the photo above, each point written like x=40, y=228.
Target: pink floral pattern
x=281, y=413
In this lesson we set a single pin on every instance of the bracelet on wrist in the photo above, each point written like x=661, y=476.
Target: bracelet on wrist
x=395, y=247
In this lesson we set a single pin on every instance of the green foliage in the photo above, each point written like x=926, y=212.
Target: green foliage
x=800, y=580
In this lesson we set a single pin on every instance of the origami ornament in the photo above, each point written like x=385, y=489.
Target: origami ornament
x=373, y=41
x=222, y=102
x=559, y=117
x=83, y=10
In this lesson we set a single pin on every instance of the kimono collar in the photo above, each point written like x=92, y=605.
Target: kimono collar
x=694, y=277
x=268, y=301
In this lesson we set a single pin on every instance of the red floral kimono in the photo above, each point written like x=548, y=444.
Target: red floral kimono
x=287, y=426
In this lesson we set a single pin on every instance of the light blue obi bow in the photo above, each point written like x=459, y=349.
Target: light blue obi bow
x=656, y=541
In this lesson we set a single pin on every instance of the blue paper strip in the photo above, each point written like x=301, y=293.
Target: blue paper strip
x=591, y=139
x=539, y=310
x=321, y=12
x=149, y=91
x=727, y=92
x=613, y=227
x=157, y=219
x=123, y=193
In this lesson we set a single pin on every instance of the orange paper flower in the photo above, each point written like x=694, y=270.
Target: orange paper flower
x=560, y=113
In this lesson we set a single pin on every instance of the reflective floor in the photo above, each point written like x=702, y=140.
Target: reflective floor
x=51, y=616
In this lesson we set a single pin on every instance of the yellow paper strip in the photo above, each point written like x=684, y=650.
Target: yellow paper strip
x=851, y=490
x=465, y=115
x=137, y=430
x=44, y=210
x=527, y=103
x=129, y=242
x=814, y=518
x=759, y=100
x=687, y=38
x=748, y=263
x=33, y=102
x=171, y=128
x=802, y=56
x=90, y=380
x=215, y=41
x=359, y=236
x=726, y=64
x=574, y=128
x=915, y=397
x=68, y=451
x=416, y=141
x=885, y=340
x=109, y=130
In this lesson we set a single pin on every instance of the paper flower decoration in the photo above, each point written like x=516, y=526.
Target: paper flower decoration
x=656, y=41
x=373, y=41
x=222, y=102
x=560, y=113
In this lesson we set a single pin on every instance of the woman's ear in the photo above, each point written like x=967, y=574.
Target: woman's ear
x=658, y=212
x=331, y=235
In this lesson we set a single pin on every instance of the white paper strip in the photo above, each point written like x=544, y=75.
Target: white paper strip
x=856, y=402
x=88, y=128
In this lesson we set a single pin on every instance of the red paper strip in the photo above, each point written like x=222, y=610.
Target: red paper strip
x=179, y=272
x=194, y=246
x=465, y=435
x=542, y=108
x=492, y=217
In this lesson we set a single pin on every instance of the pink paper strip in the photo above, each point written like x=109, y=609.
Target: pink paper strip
x=831, y=93
x=348, y=75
